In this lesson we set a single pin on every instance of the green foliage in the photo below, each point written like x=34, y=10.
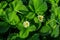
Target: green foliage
x=29, y=19
x=3, y=5
x=30, y=15
x=12, y=18
x=2, y=13
x=18, y=5
x=24, y=33
x=34, y=37
x=12, y=36
x=55, y=32
x=38, y=6
x=45, y=29
x=4, y=27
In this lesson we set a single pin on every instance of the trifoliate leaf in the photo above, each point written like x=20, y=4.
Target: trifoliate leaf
x=35, y=3
x=12, y=18
x=18, y=5
x=38, y=6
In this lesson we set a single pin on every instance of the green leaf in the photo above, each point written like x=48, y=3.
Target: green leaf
x=24, y=33
x=58, y=12
x=8, y=0
x=45, y=29
x=2, y=13
x=55, y=32
x=30, y=15
x=3, y=4
x=12, y=36
x=36, y=20
x=54, y=1
x=20, y=26
x=41, y=9
x=38, y=6
x=35, y=3
x=52, y=22
x=38, y=24
x=12, y=18
x=34, y=37
x=31, y=28
x=18, y=5
x=4, y=27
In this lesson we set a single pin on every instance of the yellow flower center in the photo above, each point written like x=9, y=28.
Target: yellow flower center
x=40, y=17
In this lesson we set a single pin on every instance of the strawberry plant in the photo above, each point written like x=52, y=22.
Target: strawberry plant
x=29, y=19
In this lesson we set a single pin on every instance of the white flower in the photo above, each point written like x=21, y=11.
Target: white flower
x=40, y=18
x=26, y=24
